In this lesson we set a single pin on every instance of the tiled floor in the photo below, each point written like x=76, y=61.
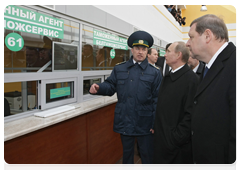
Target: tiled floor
x=137, y=162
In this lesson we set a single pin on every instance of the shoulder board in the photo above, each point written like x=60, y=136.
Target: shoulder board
x=121, y=63
x=154, y=66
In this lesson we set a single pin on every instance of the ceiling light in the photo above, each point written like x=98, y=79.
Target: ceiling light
x=203, y=8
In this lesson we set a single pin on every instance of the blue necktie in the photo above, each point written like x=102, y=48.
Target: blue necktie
x=205, y=71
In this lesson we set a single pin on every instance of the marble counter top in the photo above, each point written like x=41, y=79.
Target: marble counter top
x=30, y=124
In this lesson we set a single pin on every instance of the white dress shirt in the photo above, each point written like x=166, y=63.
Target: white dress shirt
x=209, y=64
x=164, y=67
x=173, y=71
x=135, y=62
x=195, y=69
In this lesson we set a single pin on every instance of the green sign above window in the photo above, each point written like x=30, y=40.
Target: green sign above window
x=162, y=52
x=109, y=40
x=59, y=92
x=20, y=19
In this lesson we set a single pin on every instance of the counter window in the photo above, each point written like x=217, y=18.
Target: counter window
x=59, y=91
x=36, y=53
x=20, y=97
x=87, y=84
x=102, y=50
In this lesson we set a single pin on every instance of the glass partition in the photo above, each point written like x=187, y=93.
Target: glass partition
x=102, y=50
x=20, y=97
x=36, y=54
x=87, y=84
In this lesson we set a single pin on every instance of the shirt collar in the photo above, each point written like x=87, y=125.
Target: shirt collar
x=135, y=62
x=216, y=54
x=173, y=71
x=142, y=64
x=196, y=68
x=182, y=69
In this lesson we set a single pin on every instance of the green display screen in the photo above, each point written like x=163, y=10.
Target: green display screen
x=59, y=92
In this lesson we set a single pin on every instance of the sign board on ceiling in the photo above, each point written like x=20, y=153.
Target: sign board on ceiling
x=109, y=40
x=20, y=19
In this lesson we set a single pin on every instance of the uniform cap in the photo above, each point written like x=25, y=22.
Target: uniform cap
x=140, y=38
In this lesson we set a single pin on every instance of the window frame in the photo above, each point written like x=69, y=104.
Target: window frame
x=89, y=96
x=78, y=74
x=43, y=105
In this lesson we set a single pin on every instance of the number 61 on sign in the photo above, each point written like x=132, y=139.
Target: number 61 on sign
x=14, y=42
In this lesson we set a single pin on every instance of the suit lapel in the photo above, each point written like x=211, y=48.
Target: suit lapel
x=200, y=68
x=160, y=61
x=211, y=74
x=215, y=68
x=166, y=69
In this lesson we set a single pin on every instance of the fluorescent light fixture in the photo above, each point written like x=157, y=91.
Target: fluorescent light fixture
x=203, y=8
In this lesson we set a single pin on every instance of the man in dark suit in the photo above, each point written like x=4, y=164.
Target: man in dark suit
x=196, y=65
x=152, y=56
x=164, y=68
x=172, y=130
x=214, y=117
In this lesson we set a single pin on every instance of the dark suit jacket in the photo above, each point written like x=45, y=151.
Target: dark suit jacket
x=172, y=121
x=214, y=117
x=200, y=69
x=160, y=63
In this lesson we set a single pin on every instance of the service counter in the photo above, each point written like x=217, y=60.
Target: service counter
x=83, y=135
x=26, y=125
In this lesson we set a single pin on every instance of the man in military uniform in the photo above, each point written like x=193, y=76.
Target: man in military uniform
x=136, y=83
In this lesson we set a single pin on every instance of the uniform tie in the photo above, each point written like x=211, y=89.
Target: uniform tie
x=205, y=71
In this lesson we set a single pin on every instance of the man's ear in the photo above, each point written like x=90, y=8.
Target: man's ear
x=179, y=54
x=208, y=35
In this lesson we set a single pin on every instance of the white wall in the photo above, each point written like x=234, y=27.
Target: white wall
x=153, y=19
